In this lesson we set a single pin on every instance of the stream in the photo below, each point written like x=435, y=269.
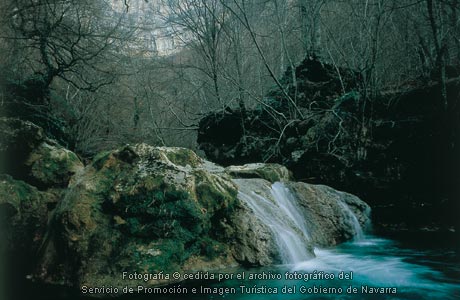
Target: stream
x=405, y=266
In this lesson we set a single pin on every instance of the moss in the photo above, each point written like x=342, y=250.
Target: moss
x=160, y=213
x=110, y=172
x=183, y=157
x=25, y=211
x=165, y=255
x=100, y=159
x=20, y=194
x=211, y=248
x=152, y=183
x=212, y=198
x=52, y=166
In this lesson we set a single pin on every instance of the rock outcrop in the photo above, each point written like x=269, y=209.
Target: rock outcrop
x=27, y=154
x=141, y=209
x=145, y=210
x=330, y=215
x=38, y=171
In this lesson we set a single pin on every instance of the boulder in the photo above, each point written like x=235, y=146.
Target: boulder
x=332, y=216
x=140, y=209
x=27, y=154
x=327, y=216
x=24, y=216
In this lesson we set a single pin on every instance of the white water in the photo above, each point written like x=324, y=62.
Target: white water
x=287, y=202
x=282, y=215
x=358, y=231
x=374, y=262
x=289, y=237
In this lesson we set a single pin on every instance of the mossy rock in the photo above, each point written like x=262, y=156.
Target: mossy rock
x=52, y=165
x=24, y=214
x=182, y=157
x=19, y=135
x=267, y=171
x=17, y=140
x=213, y=191
x=139, y=209
x=27, y=154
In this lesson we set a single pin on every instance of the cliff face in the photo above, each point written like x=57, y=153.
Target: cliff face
x=398, y=151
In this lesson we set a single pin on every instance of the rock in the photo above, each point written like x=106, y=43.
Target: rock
x=140, y=209
x=27, y=154
x=24, y=216
x=17, y=140
x=145, y=210
x=255, y=244
x=326, y=212
x=52, y=165
x=269, y=172
x=375, y=148
x=331, y=217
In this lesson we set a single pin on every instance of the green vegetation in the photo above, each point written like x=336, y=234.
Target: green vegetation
x=213, y=194
x=183, y=157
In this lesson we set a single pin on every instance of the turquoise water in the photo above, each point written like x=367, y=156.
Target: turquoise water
x=420, y=268
x=403, y=273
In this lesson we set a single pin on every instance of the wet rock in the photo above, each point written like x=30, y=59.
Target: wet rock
x=327, y=213
x=269, y=172
x=255, y=244
x=330, y=217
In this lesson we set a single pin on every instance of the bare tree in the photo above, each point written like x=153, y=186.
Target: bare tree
x=199, y=23
x=64, y=39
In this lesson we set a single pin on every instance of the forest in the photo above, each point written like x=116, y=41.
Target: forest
x=97, y=74
x=359, y=95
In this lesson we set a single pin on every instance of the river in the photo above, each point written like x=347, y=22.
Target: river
x=409, y=266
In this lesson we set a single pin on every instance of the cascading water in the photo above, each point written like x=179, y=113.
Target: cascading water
x=282, y=216
x=374, y=262
x=287, y=202
x=350, y=215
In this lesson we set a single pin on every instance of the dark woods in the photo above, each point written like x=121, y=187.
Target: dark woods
x=360, y=95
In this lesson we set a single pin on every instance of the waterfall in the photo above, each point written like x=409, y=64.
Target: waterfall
x=277, y=208
x=287, y=202
x=350, y=215
x=282, y=216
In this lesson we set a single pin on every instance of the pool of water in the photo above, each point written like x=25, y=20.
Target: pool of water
x=372, y=268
